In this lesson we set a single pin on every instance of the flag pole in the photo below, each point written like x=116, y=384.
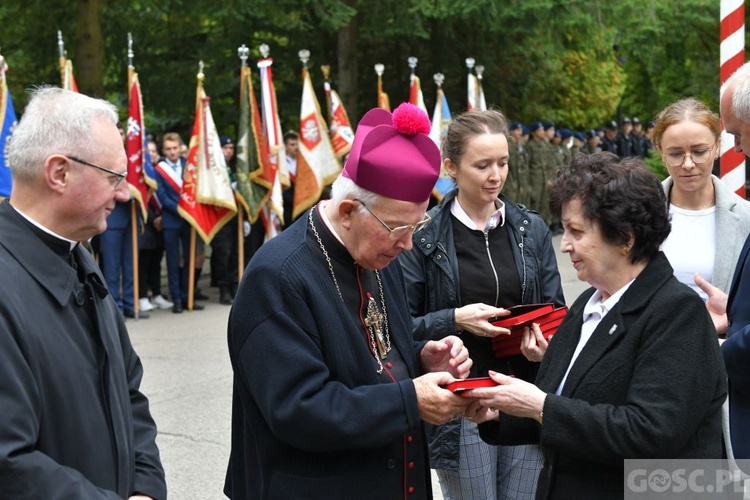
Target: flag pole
x=243, y=53
x=61, y=50
x=326, y=70
x=191, y=269
x=133, y=215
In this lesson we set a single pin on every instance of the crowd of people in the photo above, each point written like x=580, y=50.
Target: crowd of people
x=167, y=233
x=536, y=151
x=349, y=329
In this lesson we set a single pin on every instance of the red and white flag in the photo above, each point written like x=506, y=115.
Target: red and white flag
x=206, y=199
x=140, y=179
x=317, y=165
x=342, y=133
x=273, y=211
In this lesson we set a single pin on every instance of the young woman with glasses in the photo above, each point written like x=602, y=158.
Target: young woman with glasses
x=709, y=221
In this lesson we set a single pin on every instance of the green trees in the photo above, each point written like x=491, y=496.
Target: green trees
x=572, y=61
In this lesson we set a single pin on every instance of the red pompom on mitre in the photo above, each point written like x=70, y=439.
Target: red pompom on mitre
x=408, y=119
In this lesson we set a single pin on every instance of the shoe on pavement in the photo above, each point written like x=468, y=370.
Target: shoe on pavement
x=196, y=306
x=177, y=308
x=225, y=297
x=160, y=302
x=131, y=314
x=199, y=296
x=145, y=304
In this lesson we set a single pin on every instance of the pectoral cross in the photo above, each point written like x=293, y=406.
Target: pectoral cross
x=374, y=321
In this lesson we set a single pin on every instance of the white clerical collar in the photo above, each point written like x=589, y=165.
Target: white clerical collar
x=324, y=217
x=72, y=243
x=596, y=306
x=497, y=218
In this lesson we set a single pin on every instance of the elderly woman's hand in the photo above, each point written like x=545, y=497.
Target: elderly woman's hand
x=512, y=396
x=474, y=318
x=533, y=343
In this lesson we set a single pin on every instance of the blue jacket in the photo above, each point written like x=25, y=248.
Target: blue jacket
x=736, y=351
x=431, y=273
x=169, y=195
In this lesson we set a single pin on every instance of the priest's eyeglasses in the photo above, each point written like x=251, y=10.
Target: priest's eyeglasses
x=400, y=231
x=699, y=156
x=117, y=175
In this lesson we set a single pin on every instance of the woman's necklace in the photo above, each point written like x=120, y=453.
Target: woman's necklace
x=377, y=323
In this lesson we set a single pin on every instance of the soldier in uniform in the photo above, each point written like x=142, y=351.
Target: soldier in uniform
x=625, y=141
x=578, y=141
x=609, y=141
x=592, y=143
x=541, y=168
x=517, y=172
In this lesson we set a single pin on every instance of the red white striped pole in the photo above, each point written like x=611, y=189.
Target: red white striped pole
x=732, y=55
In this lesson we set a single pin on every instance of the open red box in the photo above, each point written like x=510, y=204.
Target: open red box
x=547, y=316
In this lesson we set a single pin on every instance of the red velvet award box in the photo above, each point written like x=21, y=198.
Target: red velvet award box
x=547, y=316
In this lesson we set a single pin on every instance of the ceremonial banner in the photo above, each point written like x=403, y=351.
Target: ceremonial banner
x=141, y=177
x=317, y=165
x=206, y=199
x=481, y=102
x=441, y=118
x=415, y=94
x=277, y=174
x=7, y=125
x=68, y=80
x=253, y=187
x=472, y=92
x=342, y=134
x=383, y=101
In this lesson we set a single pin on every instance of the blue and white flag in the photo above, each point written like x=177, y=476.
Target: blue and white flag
x=441, y=118
x=7, y=125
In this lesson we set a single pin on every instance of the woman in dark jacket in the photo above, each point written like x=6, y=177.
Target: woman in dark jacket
x=634, y=371
x=505, y=257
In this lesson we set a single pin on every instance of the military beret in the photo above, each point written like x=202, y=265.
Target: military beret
x=591, y=134
x=516, y=126
x=534, y=126
x=566, y=133
x=579, y=136
x=548, y=125
x=224, y=140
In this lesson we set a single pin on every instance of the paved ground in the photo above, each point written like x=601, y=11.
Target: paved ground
x=189, y=382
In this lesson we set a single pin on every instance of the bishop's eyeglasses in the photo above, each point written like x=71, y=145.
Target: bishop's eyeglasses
x=398, y=232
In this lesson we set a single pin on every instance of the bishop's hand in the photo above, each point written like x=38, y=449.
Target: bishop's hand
x=447, y=355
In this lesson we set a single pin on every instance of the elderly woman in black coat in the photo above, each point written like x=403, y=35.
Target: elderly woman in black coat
x=634, y=371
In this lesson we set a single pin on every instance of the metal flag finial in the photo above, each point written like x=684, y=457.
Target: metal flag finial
x=201, y=75
x=243, y=53
x=326, y=70
x=60, y=44
x=412, y=61
x=264, y=50
x=470, y=63
x=439, y=79
x=130, y=50
x=379, y=68
x=479, y=69
x=304, y=56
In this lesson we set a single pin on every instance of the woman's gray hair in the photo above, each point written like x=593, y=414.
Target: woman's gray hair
x=344, y=188
x=55, y=121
